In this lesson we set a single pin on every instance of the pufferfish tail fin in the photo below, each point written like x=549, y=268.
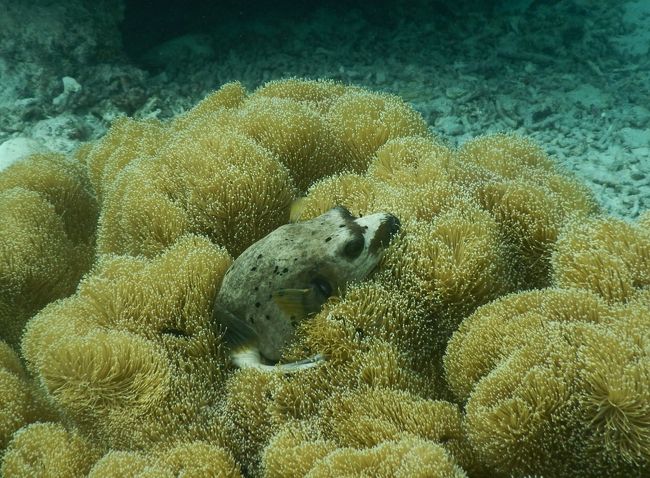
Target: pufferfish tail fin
x=241, y=339
x=249, y=357
x=236, y=332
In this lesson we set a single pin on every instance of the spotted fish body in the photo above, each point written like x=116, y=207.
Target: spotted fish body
x=288, y=275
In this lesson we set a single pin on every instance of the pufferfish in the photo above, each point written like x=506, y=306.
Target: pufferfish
x=286, y=277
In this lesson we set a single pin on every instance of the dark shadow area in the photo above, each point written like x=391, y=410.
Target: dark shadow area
x=148, y=23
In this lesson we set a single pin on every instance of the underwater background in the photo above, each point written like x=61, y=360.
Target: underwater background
x=144, y=145
x=573, y=75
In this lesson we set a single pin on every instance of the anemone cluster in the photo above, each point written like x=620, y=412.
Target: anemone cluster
x=505, y=333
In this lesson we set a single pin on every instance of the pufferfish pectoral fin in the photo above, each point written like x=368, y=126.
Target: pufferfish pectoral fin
x=292, y=302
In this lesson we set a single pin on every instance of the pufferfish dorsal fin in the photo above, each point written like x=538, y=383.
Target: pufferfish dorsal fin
x=292, y=302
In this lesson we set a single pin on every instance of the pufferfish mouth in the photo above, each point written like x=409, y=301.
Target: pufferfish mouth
x=387, y=229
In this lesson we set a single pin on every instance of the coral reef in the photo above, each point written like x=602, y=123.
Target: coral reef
x=230, y=167
x=369, y=432
x=504, y=333
x=191, y=459
x=556, y=380
x=48, y=216
x=21, y=402
x=407, y=457
x=607, y=256
x=43, y=448
x=131, y=358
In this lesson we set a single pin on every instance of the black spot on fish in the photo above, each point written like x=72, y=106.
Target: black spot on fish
x=267, y=317
x=174, y=332
x=256, y=288
x=250, y=319
x=328, y=239
x=253, y=269
x=260, y=256
x=275, y=269
x=257, y=304
x=285, y=270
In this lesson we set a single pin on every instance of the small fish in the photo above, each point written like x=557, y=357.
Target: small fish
x=286, y=277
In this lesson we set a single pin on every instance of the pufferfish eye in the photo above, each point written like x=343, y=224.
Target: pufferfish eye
x=322, y=286
x=354, y=247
